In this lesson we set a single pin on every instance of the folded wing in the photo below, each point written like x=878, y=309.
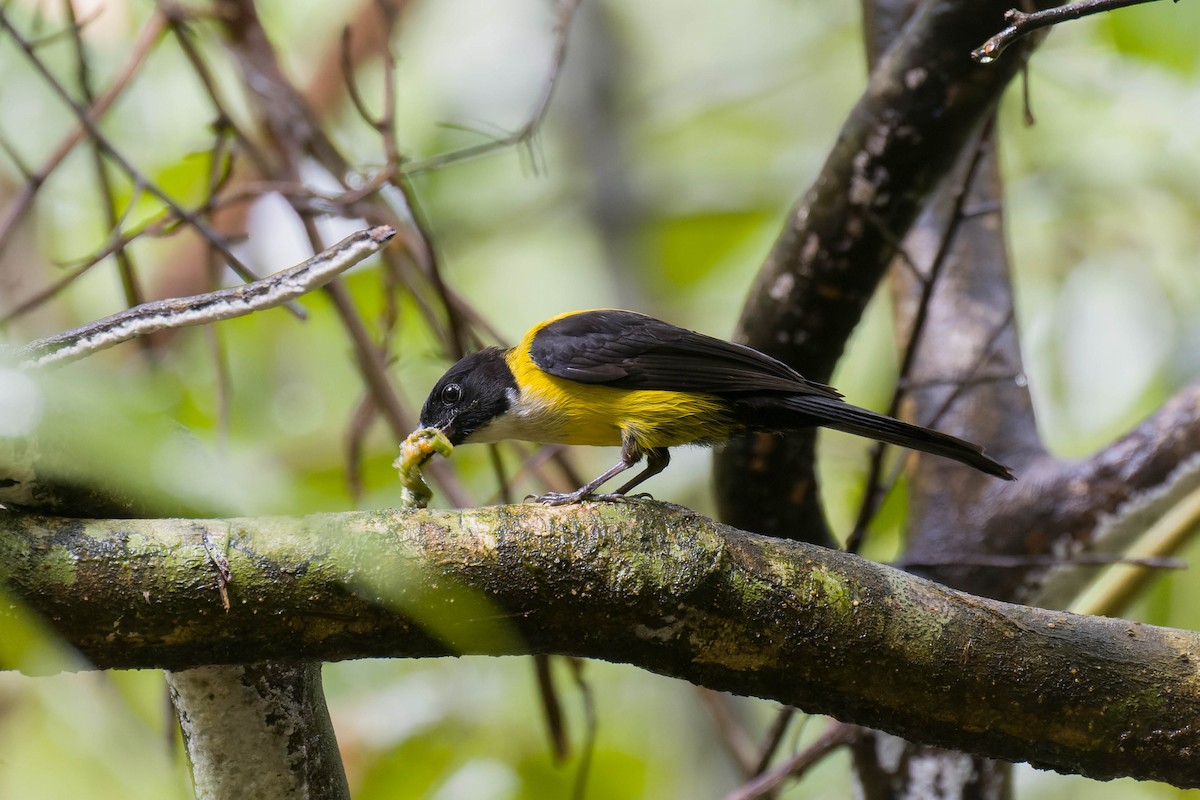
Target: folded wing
x=627, y=350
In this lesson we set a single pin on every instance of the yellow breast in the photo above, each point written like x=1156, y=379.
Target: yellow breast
x=563, y=411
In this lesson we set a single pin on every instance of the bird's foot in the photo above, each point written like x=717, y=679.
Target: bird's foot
x=569, y=498
x=556, y=498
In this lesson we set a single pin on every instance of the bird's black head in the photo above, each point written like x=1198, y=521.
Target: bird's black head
x=472, y=393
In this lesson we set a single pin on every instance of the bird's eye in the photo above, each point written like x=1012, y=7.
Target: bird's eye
x=451, y=393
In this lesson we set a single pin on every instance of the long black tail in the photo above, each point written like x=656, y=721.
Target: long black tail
x=801, y=411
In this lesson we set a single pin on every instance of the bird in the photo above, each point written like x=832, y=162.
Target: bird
x=607, y=377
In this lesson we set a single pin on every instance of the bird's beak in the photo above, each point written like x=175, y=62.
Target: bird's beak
x=450, y=430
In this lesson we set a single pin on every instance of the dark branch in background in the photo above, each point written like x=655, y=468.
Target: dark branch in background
x=927, y=280
x=825, y=266
x=1103, y=503
x=837, y=735
x=923, y=104
x=966, y=328
x=1056, y=509
x=640, y=583
x=1021, y=23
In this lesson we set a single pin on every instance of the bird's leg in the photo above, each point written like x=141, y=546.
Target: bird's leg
x=631, y=454
x=656, y=461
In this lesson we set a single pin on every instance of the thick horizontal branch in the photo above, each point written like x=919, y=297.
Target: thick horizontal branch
x=642, y=583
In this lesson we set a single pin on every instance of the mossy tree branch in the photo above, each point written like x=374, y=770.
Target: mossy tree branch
x=642, y=583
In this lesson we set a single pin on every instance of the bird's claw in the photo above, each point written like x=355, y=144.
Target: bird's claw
x=569, y=498
x=555, y=498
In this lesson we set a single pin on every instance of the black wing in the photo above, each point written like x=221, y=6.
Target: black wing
x=633, y=351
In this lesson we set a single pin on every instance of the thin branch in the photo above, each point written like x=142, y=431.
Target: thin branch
x=1019, y=561
x=293, y=135
x=836, y=735
x=1022, y=23
x=779, y=727
x=587, y=751
x=129, y=282
x=140, y=49
x=527, y=132
x=552, y=713
x=177, y=20
x=732, y=732
x=102, y=141
x=163, y=225
x=1117, y=589
x=179, y=312
x=364, y=413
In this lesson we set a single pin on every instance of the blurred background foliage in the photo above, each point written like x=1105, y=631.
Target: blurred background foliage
x=679, y=137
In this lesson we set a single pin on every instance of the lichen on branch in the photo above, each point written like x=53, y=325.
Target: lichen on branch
x=642, y=583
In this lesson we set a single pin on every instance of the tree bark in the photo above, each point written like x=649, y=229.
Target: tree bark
x=258, y=730
x=641, y=583
x=925, y=101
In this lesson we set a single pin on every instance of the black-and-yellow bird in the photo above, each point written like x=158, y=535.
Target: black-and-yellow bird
x=610, y=377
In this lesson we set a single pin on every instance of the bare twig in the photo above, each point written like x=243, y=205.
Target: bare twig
x=591, y=723
x=733, y=733
x=1021, y=23
x=294, y=135
x=96, y=135
x=1022, y=561
x=527, y=132
x=837, y=735
x=177, y=18
x=129, y=282
x=551, y=708
x=1117, y=589
x=140, y=48
x=164, y=224
x=774, y=737
x=147, y=318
